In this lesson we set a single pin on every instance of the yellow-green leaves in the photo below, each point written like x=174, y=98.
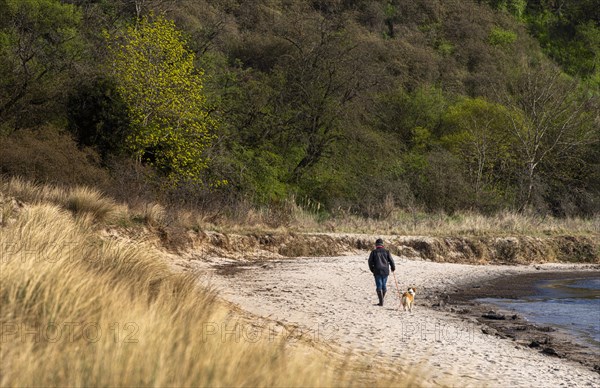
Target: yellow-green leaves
x=501, y=37
x=156, y=77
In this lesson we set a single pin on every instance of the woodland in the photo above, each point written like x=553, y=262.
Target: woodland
x=341, y=106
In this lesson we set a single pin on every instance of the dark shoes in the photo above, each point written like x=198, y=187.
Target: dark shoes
x=380, y=295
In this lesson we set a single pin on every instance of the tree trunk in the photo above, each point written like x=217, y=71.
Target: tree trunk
x=530, y=177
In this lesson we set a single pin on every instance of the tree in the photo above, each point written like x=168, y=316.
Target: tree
x=98, y=117
x=170, y=125
x=549, y=119
x=39, y=42
x=515, y=7
x=480, y=138
x=325, y=74
x=569, y=32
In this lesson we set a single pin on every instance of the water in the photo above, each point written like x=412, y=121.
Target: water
x=571, y=304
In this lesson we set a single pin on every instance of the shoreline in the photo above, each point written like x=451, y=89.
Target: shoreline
x=513, y=286
x=551, y=340
x=448, y=343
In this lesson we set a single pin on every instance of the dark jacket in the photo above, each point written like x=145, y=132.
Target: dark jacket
x=380, y=261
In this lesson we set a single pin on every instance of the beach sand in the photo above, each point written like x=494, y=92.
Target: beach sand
x=333, y=298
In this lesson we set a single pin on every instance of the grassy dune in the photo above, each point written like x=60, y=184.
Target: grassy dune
x=81, y=310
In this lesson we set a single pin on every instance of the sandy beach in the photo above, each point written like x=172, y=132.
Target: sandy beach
x=334, y=299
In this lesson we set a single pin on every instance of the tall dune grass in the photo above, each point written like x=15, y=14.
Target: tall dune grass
x=80, y=200
x=78, y=310
x=84, y=200
x=401, y=222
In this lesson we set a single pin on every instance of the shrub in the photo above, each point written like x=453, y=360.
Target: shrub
x=50, y=155
x=501, y=37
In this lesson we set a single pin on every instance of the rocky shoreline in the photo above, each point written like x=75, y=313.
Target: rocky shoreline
x=548, y=340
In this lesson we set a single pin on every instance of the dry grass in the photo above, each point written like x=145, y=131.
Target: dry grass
x=473, y=224
x=154, y=214
x=288, y=216
x=29, y=192
x=78, y=310
x=400, y=222
x=82, y=201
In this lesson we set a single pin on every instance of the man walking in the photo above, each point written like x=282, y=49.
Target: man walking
x=380, y=261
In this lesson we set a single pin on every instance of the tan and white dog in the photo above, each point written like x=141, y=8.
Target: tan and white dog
x=408, y=298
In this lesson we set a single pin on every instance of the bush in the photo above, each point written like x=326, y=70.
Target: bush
x=50, y=155
x=500, y=37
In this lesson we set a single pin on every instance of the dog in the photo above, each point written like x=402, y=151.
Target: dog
x=408, y=299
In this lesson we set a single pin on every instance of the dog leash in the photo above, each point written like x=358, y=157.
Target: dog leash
x=397, y=289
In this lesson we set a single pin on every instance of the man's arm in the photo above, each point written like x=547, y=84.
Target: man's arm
x=391, y=261
x=372, y=263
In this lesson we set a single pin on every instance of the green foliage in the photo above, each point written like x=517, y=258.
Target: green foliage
x=436, y=180
x=501, y=37
x=515, y=7
x=569, y=34
x=348, y=103
x=39, y=43
x=589, y=50
x=421, y=138
x=163, y=91
x=479, y=135
x=98, y=117
x=398, y=112
x=323, y=77
x=263, y=175
x=445, y=48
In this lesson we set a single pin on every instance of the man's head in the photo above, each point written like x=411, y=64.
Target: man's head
x=379, y=242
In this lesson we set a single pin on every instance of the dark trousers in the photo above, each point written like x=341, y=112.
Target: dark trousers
x=380, y=282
